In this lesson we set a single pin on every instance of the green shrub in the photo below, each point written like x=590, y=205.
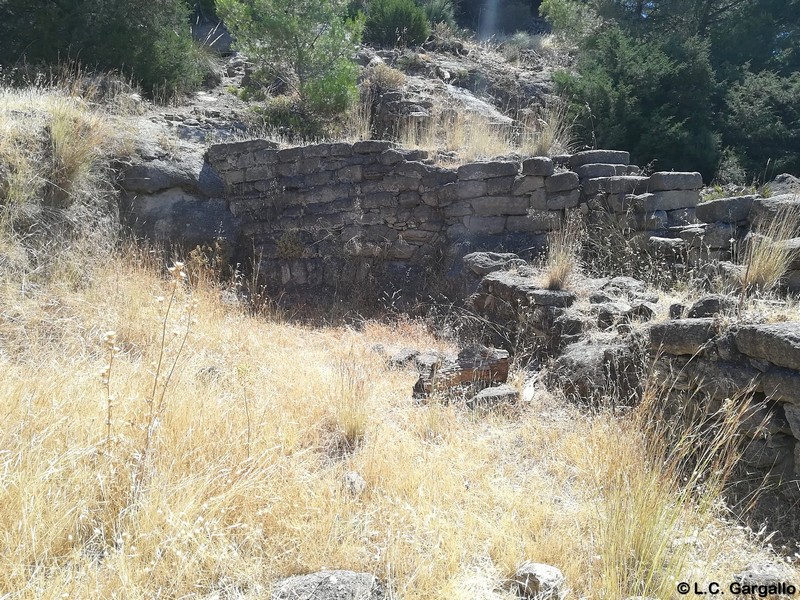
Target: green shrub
x=652, y=97
x=305, y=44
x=440, y=11
x=148, y=41
x=763, y=122
x=396, y=23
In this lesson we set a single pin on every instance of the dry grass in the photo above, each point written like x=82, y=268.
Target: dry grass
x=766, y=257
x=471, y=136
x=564, y=252
x=237, y=485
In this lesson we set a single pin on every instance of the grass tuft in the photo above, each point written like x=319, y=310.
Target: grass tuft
x=564, y=252
x=767, y=255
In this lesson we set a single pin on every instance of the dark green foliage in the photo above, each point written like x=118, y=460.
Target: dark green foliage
x=763, y=122
x=440, y=11
x=305, y=45
x=145, y=39
x=671, y=79
x=650, y=97
x=396, y=23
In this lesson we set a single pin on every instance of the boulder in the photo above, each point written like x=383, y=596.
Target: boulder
x=537, y=581
x=330, y=585
x=681, y=336
x=562, y=182
x=712, y=304
x=764, y=209
x=784, y=184
x=778, y=343
x=402, y=358
x=477, y=366
x=763, y=573
x=792, y=412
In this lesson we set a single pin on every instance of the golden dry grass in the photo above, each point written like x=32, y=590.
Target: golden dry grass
x=563, y=252
x=241, y=482
x=767, y=259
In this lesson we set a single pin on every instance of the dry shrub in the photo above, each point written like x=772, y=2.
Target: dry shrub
x=766, y=255
x=549, y=133
x=383, y=78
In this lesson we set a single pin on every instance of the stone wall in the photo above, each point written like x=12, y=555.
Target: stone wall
x=705, y=363
x=340, y=214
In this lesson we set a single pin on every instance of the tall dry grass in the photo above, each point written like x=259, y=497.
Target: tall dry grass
x=564, y=252
x=238, y=486
x=767, y=257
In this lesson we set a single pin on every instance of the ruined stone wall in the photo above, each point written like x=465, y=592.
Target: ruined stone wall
x=339, y=214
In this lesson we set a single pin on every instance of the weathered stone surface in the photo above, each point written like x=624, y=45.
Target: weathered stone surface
x=526, y=184
x=712, y=304
x=666, y=246
x=354, y=484
x=681, y=336
x=793, y=281
x=483, y=263
x=610, y=313
x=670, y=200
x=719, y=235
x=778, y=343
x=725, y=210
x=782, y=385
x=768, y=208
x=785, y=184
x=562, y=182
x=627, y=184
x=665, y=181
x=792, y=412
x=536, y=581
x=721, y=379
x=330, y=585
x=562, y=200
x=487, y=170
x=490, y=225
x=612, y=157
x=595, y=170
x=403, y=358
x=763, y=574
x=462, y=190
x=493, y=397
x=517, y=289
x=496, y=206
x=372, y=146
x=539, y=166
x=592, y=369
x=535, y=220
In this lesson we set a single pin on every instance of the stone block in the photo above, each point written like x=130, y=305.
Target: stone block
x=394, y=184
x=372, y=146
x=500, y=205
x=461, y=208
x=462, y=190
x=539, y=166
x=408, y=199
x=488, y=225
x=525, y=184
x=351, y=174
x=681, y=336
x=782, y=385
x=391, y=157
x=487, y=170
x=669, y=200
x=595, y=170
x=535, y=220
x=725, y=210
x=562, y=182
x=778, y=343
x=681, y=217
x=666, y=181
x=626, y=184
x=612, y=157
x=719, y=235
x=650, y=221
x=499, y=186
x=538, y=200
x=562, y=200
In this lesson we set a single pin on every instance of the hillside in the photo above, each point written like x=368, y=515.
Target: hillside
x=403, y=333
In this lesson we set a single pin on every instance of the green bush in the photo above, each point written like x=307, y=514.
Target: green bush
x=146, y=40
x=652, y=97
x=763, y=122
x=396, y=23
x=305, y=44
x=440, y=11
